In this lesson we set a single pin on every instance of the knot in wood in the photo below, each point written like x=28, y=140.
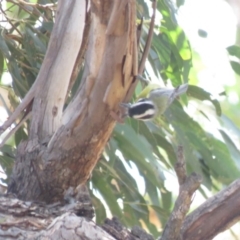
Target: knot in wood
x=54, y=111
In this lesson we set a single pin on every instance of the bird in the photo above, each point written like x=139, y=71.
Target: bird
x=155, y=104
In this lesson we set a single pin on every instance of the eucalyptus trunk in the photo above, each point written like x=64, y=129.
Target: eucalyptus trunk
x=64, y=144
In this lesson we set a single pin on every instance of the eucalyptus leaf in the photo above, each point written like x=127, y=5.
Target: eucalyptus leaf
x=234, y=50
x=235, y=66
x=201, y=94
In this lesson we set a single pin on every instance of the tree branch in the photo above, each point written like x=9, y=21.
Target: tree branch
x=220, y=212
x=13, y=130
x=80, y=57
x=145, y=52
x=55, y=73
x=26, y=102
x=188, y=185
x=149, y=39
x=28, y=220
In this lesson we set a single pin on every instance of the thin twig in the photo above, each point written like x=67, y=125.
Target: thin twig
x=51, y=6
x=13, y=130
x=28, y=7
x=10, y=22
x=145, y=54
x=149, y=40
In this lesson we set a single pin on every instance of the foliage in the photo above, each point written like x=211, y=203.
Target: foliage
x=129, y=180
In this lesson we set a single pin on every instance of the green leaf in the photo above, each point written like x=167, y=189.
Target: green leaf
x=20, y=135
x=135, y=148
x=195, y=141
x=121, y=175
x=235, y=153
x=205, y=158
x=8, y=150
x=235, y=66
x=105, y=190
x=99, y=208
x=234, y=50
x=201, y=94
x=166, y=199
x=6, y=163
x=156, y=141
x=139, y=208
x=1, y=64
x=166, y=146
x=4, y=103
x=230, y=125
x=48, y=26
x=202, y=33
x=3, y=46
x=223, y=164
x=180, y=2
x=162, y=46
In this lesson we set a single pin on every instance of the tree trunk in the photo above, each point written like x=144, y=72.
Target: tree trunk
x=64, y=146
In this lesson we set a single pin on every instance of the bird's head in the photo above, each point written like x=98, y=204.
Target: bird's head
x=143, y=109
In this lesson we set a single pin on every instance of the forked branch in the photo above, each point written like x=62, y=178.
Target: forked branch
x=188, y=185
x=220, y=212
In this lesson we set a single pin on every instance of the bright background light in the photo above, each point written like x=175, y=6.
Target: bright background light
x=215, y=17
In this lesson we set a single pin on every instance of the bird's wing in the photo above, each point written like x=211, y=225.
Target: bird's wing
x=177, y=92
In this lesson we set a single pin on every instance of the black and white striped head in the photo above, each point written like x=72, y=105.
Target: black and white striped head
x=144, y=109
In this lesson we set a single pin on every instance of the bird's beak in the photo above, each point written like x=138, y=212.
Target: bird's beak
x=125, y=105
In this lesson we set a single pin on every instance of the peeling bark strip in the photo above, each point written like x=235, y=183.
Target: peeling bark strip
x=64, y=147
x=27, y=220
x=31, y=221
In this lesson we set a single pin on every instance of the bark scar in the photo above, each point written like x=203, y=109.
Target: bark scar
x=54, y=111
